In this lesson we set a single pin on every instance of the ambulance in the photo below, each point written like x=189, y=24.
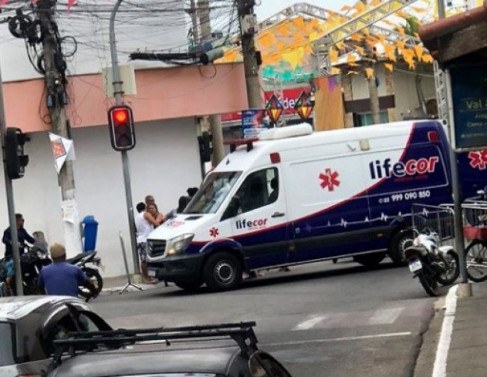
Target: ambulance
x=296, y=196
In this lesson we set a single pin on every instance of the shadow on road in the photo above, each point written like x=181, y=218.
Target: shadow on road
x=296, y=274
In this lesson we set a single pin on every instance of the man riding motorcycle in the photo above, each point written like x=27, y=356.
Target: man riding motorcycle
x=22, y=236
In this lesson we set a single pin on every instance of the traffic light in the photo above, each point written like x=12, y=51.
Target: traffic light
x=121, y=123
x=15, y=159
x=204, y=142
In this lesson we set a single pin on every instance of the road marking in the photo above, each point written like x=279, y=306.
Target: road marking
x=439, y=368
x=348, y=338
x=385, y=316
x=309, y=323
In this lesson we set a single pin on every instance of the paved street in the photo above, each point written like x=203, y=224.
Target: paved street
x=319, y=320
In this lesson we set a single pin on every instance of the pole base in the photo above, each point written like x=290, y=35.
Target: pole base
x=464, y=290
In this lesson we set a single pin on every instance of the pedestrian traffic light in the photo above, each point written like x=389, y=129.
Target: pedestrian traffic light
x=204, y=142
x=15, y=159
x=121, y=123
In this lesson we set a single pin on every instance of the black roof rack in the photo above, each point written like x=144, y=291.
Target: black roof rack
x=242, y=333
x=236, y=142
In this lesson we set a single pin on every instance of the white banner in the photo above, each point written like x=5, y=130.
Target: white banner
x=62, y=149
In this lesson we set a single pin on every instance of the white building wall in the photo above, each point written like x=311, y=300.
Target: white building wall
x=164, y=163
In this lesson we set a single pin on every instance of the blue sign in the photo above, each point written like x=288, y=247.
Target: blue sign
x=469, y=93
x=254, y=121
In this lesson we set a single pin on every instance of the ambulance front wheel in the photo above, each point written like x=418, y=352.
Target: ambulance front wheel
x=222, y=271
x=400, y=242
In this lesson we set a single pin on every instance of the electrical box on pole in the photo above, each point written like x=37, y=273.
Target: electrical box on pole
x=121, y=124
x=15, y=159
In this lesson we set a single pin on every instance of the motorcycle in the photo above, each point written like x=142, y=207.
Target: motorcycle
x=432, y=264
x=31, y=263
x=81, y=260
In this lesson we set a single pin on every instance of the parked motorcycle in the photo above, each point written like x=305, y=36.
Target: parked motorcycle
x=82, y=260
x=432, y=264
x=31, y=263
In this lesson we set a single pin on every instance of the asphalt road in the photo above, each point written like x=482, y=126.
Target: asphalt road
x=324, y=319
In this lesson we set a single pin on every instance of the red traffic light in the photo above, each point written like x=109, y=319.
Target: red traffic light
x=120, y=116
x=121, y=125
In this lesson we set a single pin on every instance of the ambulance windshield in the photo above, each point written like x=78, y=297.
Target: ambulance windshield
x=213, y=192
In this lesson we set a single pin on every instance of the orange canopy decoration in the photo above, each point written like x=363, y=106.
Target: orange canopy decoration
x=287, y=46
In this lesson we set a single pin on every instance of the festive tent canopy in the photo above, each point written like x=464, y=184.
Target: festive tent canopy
x=287, y=52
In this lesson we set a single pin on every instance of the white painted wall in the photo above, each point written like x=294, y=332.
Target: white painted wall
x=165, y=162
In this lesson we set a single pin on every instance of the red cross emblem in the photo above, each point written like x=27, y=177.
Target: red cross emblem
x=478, y=159
x=214, y=232
x=329, y=180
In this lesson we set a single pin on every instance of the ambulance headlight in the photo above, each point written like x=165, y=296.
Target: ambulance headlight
x=179, y=244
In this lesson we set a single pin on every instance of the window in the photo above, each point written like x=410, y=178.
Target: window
x=264, y=365
x=6, y=344
x=365, y=119
x=213, y=192
x=259, y=189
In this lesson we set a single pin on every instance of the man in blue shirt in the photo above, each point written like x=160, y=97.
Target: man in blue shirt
x=62, y=278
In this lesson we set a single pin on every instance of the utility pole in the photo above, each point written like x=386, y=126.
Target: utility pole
x=373, y=93
x=215, y=120
x=56, y=100
x=118, y=91
x=251, y=57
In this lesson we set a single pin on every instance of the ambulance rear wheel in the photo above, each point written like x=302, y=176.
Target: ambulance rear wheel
x=400, y=242
x=222, y=271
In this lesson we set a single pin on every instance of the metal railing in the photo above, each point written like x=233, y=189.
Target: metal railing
x=438, y=219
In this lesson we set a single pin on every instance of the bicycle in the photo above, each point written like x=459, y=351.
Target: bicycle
x=475, y=230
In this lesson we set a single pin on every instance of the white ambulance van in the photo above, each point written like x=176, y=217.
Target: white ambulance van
x=297, y=196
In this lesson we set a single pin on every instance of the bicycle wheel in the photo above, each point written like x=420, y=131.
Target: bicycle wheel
x=476, y=261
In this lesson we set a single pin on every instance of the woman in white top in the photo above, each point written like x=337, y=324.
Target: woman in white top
x=145, y=222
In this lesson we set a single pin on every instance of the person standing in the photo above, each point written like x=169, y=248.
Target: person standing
x=22, y=236
x=145, y=222
x=62, y=278
x=159, y=217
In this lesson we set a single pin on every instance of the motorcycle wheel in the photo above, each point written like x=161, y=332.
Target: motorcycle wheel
x=452, y=269
x=476, y=261
x=96, y=279
x=429, y=283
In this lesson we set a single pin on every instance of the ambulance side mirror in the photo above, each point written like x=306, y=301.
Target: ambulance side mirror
x=232, y=209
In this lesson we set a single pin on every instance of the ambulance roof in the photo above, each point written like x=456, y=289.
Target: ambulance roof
x=242, y=160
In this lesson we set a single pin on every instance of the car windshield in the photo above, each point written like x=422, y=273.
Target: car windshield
x=213, y=192
x=6, y=346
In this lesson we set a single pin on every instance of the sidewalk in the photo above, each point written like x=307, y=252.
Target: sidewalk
x=455, y=344
x=116, y=284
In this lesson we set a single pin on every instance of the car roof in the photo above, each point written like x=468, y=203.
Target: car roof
x=141, y=361
x=14, y=308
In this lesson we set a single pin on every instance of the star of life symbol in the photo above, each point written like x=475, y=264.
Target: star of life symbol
x=214, y=232
x=478, y=159
x=329, y=180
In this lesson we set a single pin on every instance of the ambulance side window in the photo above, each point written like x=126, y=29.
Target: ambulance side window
x=257, y=190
